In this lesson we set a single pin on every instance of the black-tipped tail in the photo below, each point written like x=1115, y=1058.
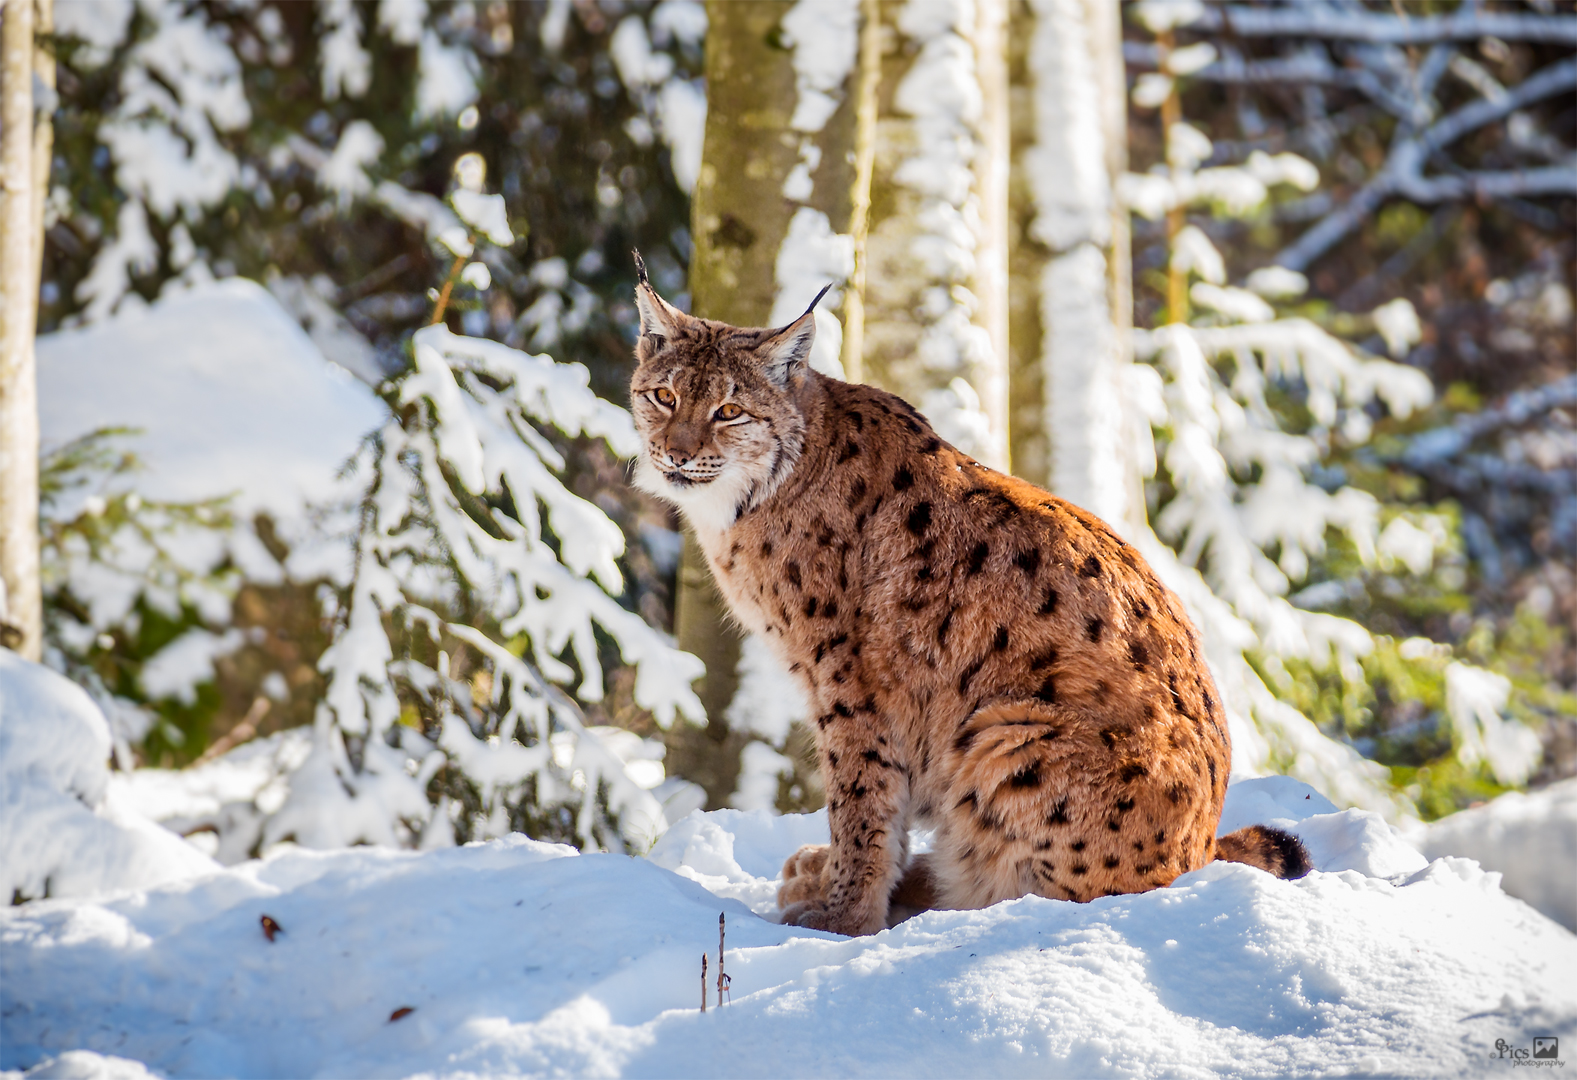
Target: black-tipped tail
x=1272, y=850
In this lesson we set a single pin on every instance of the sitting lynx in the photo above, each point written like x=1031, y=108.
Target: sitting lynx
x=981, y=657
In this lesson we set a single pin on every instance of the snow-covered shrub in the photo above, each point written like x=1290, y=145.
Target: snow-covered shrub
x=184, y=447
x=1250, y=407
x=483, y=585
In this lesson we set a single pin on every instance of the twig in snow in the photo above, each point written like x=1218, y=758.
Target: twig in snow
x=703, y=982
x=722, y=980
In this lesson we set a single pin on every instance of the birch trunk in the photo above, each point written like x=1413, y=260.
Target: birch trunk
x=1075, y=113
x=936, y=322
x=770, y=217
x=21, y=608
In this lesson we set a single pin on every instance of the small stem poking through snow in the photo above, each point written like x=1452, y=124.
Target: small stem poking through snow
x=721, y=978
x=703, y=982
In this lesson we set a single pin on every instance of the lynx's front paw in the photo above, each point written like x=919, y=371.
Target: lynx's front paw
x=804, y=880
x=808, y=914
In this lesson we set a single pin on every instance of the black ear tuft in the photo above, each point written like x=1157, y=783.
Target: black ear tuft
x=824, y=290
x=640, y=268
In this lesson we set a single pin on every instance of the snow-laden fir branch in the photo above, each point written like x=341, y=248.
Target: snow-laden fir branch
x=463, y=513
x=1407, y=94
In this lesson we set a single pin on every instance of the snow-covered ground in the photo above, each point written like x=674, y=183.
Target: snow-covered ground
x=519, y=957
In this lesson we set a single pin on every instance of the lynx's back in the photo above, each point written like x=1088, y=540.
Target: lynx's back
x=982, y=657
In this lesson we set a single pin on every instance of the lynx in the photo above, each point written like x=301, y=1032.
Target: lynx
x=982, y=658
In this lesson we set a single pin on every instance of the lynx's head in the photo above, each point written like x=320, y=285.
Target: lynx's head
x=717, y=407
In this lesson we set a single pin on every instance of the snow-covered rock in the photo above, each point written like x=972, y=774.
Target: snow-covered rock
x=518, y=957
x=59, y=834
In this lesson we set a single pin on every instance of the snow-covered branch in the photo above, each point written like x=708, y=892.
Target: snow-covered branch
x=1353, y=23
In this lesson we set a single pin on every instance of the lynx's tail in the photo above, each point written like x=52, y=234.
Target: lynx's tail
x=1279, y=852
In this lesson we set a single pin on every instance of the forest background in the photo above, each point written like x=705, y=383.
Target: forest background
x=1283, y=293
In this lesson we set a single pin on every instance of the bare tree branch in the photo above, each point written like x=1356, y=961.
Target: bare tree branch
x=1541, y=84
x=1356, y=24
x=1403, y=171
x=1480, y=472
x=1442, y=443
x=1551, y=180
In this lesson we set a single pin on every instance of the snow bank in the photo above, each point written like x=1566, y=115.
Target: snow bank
x=231, y=396
x=59, y=834
x=1531, y=839
x=518, y=957
x=220, y=805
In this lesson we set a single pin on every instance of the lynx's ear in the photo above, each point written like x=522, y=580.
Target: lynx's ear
x=660, y=320
x=786, y=352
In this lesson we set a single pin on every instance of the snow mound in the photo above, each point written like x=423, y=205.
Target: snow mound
x=518, y=957
x=59, y=834
x=84, y=1065
x=1530, y=838
x=229, y=392
x=219, y=805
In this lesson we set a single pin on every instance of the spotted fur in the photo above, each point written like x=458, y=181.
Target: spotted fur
x=981, y=657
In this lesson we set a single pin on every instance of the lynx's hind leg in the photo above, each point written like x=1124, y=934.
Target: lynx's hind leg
x=1052, y=801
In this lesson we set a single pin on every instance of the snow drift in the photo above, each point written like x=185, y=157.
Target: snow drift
x=1529, y=838
x=59, y=833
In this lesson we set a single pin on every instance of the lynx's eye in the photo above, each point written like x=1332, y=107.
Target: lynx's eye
x=665, y=397
x=728, y=412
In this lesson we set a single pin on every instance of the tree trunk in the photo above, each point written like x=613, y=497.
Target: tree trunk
x=21, y=607
x=1074, y=114
x=936, y=317
x=770, y=215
